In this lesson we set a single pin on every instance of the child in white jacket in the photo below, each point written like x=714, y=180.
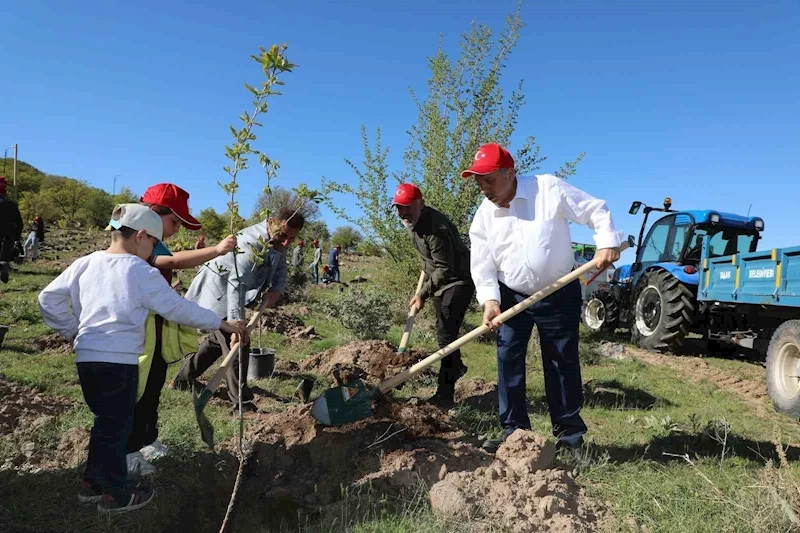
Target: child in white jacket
x=102, y=302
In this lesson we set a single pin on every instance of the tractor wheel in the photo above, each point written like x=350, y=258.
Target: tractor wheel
x=663, y=312
x=783, y=369
x=600, y=313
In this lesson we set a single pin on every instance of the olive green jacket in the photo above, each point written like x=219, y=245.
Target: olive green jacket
x=445, y=257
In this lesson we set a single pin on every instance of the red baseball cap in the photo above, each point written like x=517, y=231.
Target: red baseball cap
x=406, y=194
x=489, y=158
x=172, y=196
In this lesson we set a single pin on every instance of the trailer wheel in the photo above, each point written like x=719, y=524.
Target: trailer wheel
x=783, y=369
x=663, y=312
x=601, y=313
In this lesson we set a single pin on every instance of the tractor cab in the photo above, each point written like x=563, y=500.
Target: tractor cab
x=684, y=238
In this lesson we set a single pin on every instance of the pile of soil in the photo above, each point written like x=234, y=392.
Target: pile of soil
x=519, y=491
x=24, y=412
x=53, y=342
x=26, y=407
x=301, y=472
x=285, y=323
x=372, y=361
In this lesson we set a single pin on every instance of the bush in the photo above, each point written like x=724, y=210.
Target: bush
x=366, y=313
x=296, y=285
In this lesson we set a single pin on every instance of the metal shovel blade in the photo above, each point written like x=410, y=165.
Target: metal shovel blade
x=342, y=405
x=199, y=402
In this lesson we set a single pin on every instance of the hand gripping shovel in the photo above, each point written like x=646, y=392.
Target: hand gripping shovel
x=353, y=402
x=411, y=315
x=202, y=399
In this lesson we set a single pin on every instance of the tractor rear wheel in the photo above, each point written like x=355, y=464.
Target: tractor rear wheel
x=601, y=313
x=663, y=312
x=783, y=369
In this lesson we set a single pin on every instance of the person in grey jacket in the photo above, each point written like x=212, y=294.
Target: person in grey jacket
x=216, y=287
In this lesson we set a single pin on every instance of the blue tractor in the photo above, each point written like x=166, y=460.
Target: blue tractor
x=656, y=297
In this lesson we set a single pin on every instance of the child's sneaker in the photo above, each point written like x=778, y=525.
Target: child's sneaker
x=153, y=451
x=140, y=496
x=138, y=465
x=87, y=493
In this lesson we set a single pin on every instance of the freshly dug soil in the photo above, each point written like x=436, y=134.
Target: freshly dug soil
x=519, y=491
x=372, y=361
x=22, y=406
x=54, y=342
x=303, y=472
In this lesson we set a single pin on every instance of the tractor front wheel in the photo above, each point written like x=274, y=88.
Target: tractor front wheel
x=663, y=312
x=783, y=368
x=600, y=313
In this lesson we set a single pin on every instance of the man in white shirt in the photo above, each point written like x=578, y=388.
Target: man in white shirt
x=520, y=243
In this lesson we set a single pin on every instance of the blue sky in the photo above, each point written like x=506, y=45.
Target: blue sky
x=696, y=100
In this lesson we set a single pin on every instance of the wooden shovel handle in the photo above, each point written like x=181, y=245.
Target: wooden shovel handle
x=411, y=315
x=394, y=381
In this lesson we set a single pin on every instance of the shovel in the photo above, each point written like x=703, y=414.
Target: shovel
x=411, y=315
x=201, y=400
x=353, y=402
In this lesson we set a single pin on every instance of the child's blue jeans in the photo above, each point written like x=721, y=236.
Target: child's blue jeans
x=110, y=392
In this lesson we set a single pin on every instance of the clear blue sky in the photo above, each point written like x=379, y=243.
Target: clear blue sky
x=697, y=100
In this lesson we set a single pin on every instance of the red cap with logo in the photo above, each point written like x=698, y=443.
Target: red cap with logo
x=406, y=194
x=172, y=196
x=489, y=158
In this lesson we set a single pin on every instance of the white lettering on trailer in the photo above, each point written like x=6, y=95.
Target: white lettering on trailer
x=725, y=274
x=761, y=273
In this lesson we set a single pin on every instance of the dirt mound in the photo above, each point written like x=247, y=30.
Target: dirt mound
x=477, y=393
x=73, y=447
x=53, y=342
x=303, y=472
x=285, y=323
x=21, y=406
x=373, y=361
x=518, y=491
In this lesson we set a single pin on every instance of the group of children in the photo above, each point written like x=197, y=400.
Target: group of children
x=102, y=302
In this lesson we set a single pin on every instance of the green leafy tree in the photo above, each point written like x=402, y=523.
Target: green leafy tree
x=464, y=107
x=67, y=195
x=277, y=198
x=347, y=237
x=126, y=196
x=97, y=207
x=315, y=229
x=213, y=223
x=32, y=203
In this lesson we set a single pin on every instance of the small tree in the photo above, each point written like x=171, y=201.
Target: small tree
x=465, y=107
x=278, y=197
x=67, y=195
x=126, y=196
x=347, y=237
x=213, y=223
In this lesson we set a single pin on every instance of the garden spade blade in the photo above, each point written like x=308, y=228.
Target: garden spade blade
x=199, y=402
x=411, y=314
x=341, y=405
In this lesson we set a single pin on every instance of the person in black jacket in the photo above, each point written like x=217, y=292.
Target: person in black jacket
x=445, y=261
x=10, y=230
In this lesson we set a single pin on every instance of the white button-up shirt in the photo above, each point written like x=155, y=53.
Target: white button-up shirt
x=527, y=246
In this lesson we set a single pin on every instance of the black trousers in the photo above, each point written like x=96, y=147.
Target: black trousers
x=145, y=414
x=209, y=352
x=110, y=392
x=451, y=307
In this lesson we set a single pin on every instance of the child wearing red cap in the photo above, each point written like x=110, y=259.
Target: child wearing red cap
x=171, y=203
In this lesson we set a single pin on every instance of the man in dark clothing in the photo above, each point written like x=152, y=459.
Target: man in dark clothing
x=333, y=263
x=445, y=261
x=10, y=230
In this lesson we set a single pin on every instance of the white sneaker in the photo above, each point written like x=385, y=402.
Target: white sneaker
x=138, y=465
x=153, y=451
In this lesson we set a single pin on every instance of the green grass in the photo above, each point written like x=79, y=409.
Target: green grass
x=666, y=453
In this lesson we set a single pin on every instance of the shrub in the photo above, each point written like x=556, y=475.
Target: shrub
x=366, y=313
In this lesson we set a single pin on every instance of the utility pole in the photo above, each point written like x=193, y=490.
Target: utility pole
x=115, y=185
x=16, y=192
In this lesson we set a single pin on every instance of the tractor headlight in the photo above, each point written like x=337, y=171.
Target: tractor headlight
x=759, y=225
x=714, y=218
